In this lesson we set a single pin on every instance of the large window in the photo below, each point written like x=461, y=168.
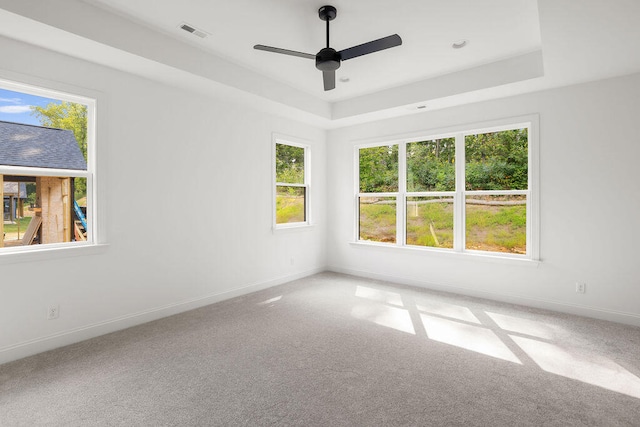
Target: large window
x=467, y=191
x=291, y=184
x=46, y=168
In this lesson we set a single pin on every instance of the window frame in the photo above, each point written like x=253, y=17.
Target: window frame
x=293, y=142
x=530, y=122
x=95, y=219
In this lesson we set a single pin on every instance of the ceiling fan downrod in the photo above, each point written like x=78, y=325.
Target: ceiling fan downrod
x=327, y=13
x=328, y=59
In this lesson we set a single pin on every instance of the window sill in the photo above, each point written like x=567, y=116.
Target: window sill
x=48, y=252
x=292, y=227
x=471, y=256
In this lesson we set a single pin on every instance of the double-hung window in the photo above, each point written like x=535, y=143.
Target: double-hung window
x=465, y=191
x=46, y=168
x=291, y=175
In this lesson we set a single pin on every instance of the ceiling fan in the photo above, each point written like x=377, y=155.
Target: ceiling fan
x=328, y=59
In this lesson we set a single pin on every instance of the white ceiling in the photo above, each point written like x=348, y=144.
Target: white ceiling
x=495, y=29
x=515, y=46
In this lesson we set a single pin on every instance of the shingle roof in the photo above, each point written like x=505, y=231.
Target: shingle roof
x=39, y=147
x=12, y=188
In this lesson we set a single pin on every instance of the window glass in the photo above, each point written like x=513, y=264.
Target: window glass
x=38, y=210
x=430, y=221
x=290, y=204
x=431, y=165
x=44, y=171
x=379, y=169
x=291, y=184
x=377, y=222
x=496, y=223
x=289, y=164
x=488, y=213
x=497, y=160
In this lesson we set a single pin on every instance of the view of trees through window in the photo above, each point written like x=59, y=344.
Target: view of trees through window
x=497, y=162
x=494, y=192
x=378, y=174
x=290, y=184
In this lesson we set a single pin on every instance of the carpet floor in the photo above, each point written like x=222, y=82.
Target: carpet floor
x=335, y=350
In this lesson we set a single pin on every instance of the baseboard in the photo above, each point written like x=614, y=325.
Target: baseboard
x=50, y=342
x=579, y=310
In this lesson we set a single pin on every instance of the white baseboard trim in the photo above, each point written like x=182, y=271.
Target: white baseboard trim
x=579, y=310
x=50, y=342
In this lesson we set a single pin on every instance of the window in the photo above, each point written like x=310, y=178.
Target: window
x=291, y=173
x=468, y=191
x=46, y=168
x=378, y=193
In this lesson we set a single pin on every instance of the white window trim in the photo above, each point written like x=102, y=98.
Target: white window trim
x=96, y=215
x=294, y=142
x=531, y=122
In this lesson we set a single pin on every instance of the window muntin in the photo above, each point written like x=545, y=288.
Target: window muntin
x=291, y=184
x=462, y=192
x=53, y=168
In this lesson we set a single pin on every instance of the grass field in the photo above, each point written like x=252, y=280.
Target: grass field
x=378, y=219
x=289, y=208
x=492, y=228
x=11, y=230
x=429, y=222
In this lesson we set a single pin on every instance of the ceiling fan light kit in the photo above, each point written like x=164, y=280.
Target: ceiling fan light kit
x=328, y=59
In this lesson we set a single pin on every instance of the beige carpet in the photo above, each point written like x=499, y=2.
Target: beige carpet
x=334, y=350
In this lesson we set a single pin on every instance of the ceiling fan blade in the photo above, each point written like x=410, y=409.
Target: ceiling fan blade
x=329, y=78
x=371, y=47
x=284, y=51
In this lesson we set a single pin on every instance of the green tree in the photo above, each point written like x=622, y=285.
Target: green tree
x=69, y=116
x=379, y=169
x=497, y=160
x=66, y=115
x=289, y=164
x=431, y=165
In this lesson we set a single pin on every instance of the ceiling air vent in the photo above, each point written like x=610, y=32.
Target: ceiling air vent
x=193, y=30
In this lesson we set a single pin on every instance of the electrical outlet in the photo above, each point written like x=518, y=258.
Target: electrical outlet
x=581, y=288
x=53, y=312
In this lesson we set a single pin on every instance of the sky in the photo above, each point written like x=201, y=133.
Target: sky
x=16, y=106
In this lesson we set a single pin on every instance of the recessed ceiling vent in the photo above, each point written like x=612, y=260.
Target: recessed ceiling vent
x=193, y=30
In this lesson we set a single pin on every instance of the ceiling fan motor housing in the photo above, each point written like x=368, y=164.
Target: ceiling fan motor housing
x=328, y=59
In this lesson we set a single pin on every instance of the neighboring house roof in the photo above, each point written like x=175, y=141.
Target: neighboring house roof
x=11, y=189
x=39, y=147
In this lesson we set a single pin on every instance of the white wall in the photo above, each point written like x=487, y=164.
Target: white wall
x=165, y=146
x=188, y=210
x=589, y=204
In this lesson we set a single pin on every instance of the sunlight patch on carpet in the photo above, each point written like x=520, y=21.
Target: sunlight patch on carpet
x=526, y=326
x=468, y=337
x=580, y=365
x=378, y=295
x=383, y=315
x=452, y=311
